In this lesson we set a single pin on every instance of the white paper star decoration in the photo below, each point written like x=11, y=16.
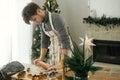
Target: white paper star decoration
x=87, y=44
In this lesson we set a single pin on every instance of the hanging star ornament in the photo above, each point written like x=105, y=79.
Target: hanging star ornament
x=87, y=43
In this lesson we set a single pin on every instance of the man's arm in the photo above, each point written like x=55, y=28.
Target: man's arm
x=61, y=27
x=44, y=44
x=40, y=61
x=43, y=50
x=42, y=54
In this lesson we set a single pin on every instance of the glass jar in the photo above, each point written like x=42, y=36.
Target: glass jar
x=79, y=76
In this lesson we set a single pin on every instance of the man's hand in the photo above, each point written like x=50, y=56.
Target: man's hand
x=42, y=64
x=46, y=66
x=55, y=67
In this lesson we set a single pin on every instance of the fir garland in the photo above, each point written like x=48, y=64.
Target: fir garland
x=103, y=21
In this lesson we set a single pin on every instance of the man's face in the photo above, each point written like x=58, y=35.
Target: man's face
x=39, y=17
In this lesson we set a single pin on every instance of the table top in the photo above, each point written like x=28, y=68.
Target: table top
x=32, y=72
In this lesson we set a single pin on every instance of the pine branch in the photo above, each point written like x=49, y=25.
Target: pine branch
x=103, y=21
x=78, y=64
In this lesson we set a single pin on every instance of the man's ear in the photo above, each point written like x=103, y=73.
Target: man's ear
x=38, y=11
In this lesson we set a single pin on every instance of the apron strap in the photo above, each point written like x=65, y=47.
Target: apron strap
x=50, y=19
x=53, y=29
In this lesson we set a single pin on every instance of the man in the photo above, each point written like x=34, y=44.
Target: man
x=53, y=29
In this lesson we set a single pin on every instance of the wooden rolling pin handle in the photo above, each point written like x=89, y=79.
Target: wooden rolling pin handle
x=42, y=64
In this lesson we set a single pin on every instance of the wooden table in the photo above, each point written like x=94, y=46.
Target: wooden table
x=35, y=71
x=98, y=76
x=32, y=72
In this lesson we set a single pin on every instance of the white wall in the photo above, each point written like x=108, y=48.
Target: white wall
x=74, y=11
x=15, y=35
x=5, y=34
x=39, y=2
x=110, y=8
x=23, y=35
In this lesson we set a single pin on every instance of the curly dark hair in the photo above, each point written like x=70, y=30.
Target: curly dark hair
x=28, y=11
